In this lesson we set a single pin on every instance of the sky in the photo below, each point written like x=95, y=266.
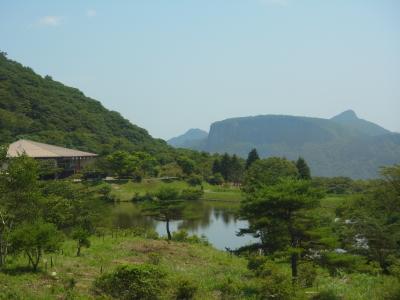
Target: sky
x=171, y=65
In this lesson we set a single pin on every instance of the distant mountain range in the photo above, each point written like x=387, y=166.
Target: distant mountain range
x=344, y=145
x=190, y=139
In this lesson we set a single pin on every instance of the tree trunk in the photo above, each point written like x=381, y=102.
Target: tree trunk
x=168, y=232
x=78, y=252
x=293, y=262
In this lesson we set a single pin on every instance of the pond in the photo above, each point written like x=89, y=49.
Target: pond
x=216, y=220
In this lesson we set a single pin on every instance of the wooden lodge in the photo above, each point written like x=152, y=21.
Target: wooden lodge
x=70, y=161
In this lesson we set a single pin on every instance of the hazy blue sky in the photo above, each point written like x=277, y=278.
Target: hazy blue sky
x=172, y=65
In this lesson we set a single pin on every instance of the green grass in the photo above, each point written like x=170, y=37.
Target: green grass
x=210, y=269
x=126, y=190
x=205, y=265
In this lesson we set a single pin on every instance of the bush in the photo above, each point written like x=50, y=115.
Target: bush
x=194, y=180
x=154, y=258
x=131, y=283
x=390, y=289
x=256, y=262
x=186, y=289
x=192, y=194
x=183, y=236
x=217, y=179
x=327, y=295
x=277, y=284
x=307, y=274
x=229, y=289
x=336, y=262
x=141, y=198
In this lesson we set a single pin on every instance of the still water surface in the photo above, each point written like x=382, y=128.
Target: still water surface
x=217, y=221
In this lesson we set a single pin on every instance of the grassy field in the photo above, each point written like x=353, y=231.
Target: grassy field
x=124, y=191
x=215, y=273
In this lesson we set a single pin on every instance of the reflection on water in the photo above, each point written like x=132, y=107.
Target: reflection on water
x=215, y=220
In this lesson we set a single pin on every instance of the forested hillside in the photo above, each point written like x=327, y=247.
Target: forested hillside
x=45, y=110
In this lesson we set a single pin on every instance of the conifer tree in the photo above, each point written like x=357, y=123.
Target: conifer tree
x=304, y=170
x=252, y=157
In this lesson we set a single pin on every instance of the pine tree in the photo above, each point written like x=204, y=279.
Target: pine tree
x=252, y=157
x=225, y=166
x=304, y=170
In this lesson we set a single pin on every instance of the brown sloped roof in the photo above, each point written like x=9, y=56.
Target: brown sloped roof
x=40, y=150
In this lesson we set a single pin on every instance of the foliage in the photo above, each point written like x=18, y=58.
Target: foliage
x=192, y=194
x=81, y=236
x=140, y=282
x=194, y=180
x=303, y=168
x=251, y=157
x=373, y=228
x=268, y=172
x=47, y=111
x=280, y=216
x=216, y=179
x=166, y=206
x=34, y=239
x=186, y=289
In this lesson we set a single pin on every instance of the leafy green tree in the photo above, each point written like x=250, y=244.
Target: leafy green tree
x=188, y=165
x=19, y=196
x=81, y=236
x=165, y=207
x=35, y=239
x=280, y=216
x=268, y=172
x=225, y=165
x=373, y=220
x=304, y=170
x=236, y=169
x=123, y=164
x=252, y=157
x=216, y=167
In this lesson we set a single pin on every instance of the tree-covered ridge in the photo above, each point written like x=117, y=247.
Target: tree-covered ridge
x=45, y=110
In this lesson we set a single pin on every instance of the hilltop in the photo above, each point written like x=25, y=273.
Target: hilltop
x=344, y=145
x=44, y=110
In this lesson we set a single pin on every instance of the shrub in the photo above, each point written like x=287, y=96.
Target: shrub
x=186, y=289
x=256, y=262
x=194, y=180
x=229, y=289
x=154, y=258
x=390, y=289
x=327, y=295
x=183, y=236
x=217, y=179
x=131, y=282
x=307, y=274
x=140, y=198
x=336, y=262
x=192, y=194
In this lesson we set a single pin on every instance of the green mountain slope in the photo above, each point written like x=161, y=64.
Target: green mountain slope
x=342, y=146
x=349, y=119
x=47, y=111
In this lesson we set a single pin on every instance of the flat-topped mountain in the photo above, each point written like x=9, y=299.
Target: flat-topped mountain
x=344, y=145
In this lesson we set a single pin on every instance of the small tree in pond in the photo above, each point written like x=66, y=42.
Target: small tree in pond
x=35, y=239
x=279, y=216
x=252, y=157
x=165, y=207
x=81, y=236
x=304, y=170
